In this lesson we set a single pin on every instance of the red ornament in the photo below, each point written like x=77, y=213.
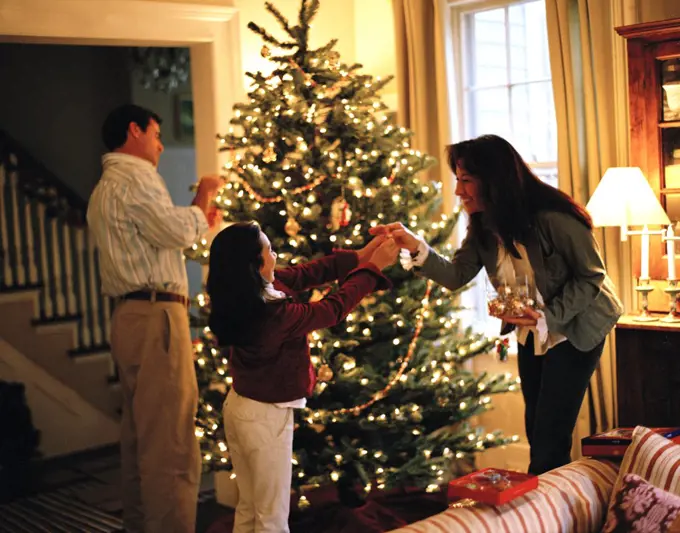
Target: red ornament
x=340, y=213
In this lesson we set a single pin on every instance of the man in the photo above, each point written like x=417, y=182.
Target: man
x=140, y=235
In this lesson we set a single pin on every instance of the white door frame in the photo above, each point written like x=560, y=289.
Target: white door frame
x=211, y=31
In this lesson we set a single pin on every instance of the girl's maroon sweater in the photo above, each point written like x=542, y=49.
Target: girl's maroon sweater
x=277, y=367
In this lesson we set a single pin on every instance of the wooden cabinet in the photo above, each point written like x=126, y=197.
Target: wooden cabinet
x=648, y=373
x=648, y=354
x=654, y=110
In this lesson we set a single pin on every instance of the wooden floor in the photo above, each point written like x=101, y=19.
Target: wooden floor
x=76, y=494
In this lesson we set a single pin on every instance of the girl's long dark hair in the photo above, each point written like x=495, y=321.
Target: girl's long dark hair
x=235, y=284
x=512, y=194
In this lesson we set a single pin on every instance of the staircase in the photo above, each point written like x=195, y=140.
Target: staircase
x=51, y=307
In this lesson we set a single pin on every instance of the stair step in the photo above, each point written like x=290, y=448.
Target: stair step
x=19, y=293
x=56, y=320
x=90, y=353
x=9, y=289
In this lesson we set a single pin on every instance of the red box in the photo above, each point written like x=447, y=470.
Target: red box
x=614, y=443
x=492, y=485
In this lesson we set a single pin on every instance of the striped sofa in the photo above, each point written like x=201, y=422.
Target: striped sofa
x=570, y=499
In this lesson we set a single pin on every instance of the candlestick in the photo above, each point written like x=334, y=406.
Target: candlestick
x=644, y=288
x=673, y=291
x=670, y=252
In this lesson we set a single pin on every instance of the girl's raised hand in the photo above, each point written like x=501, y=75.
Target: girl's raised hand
x=386, y=254
x=365, y=253
x=404, y=237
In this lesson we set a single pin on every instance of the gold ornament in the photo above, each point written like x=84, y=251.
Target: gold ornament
x=292, y=228
x=325, y=373
x=269, y=155
x=265, y=52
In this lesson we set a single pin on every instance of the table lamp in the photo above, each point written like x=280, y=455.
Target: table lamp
x=624, y=198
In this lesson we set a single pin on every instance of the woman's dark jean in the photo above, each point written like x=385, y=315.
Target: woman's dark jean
x=553, y=386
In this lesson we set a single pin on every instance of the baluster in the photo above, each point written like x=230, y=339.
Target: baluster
x=85, y=321
x=18, y=249
x=94, y=291
x=107, y=304
x=68, y=270
x=46, y=306
x=60, y=301
x=30, y=241
x=7, y=278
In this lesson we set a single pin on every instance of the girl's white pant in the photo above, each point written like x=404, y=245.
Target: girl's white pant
x=260, y=441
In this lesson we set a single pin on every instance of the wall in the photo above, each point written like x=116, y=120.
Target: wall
x=365, y=33
x=53, y=100
x=165, y=105
x=335, y=20
x=659, y=10
x=375, y=43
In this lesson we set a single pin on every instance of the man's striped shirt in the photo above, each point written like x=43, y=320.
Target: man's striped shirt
x=140, y=234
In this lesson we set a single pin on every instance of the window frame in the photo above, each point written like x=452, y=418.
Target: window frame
x=461, y=38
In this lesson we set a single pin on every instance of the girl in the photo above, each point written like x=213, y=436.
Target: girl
x=521, y=226
x=257, y=318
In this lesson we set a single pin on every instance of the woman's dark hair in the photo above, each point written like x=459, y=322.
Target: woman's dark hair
x=235, y=284
x=116, y=124
x=512, y=194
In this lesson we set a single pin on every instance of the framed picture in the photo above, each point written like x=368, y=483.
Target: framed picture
x=184, y=122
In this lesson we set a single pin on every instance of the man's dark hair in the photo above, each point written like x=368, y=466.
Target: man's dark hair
x=115, y=128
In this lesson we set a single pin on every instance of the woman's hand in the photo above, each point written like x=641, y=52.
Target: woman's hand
x=404, y=237
x=365, y=253
x=386, y=254
x=529, y=318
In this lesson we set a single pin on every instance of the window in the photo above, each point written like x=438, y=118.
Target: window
x=502, y=84
x=503, y=78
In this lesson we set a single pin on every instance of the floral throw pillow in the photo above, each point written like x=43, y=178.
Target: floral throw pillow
x=639, y=507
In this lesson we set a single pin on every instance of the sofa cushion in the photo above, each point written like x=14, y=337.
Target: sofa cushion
x=571, y=498
x=652, y=457
x=640, y=507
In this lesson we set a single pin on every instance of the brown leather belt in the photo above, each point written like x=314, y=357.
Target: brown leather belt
x=156, y=296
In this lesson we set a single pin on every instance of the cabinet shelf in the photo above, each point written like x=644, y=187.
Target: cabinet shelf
x=670, y=124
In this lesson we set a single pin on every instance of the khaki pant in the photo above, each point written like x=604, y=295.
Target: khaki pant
x=260, y=440
x=151, y=344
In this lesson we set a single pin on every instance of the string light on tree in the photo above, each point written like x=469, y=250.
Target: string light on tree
x=316, y=160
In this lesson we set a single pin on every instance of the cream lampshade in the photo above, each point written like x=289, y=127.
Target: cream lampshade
x=624, y=198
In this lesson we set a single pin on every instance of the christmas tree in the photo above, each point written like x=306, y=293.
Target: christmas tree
x=315, y=158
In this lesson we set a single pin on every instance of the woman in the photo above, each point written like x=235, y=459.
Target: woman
x=519, y=226
x=258, y=319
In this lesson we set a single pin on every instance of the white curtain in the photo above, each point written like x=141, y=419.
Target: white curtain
x=588, y=71
x=422, y=82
